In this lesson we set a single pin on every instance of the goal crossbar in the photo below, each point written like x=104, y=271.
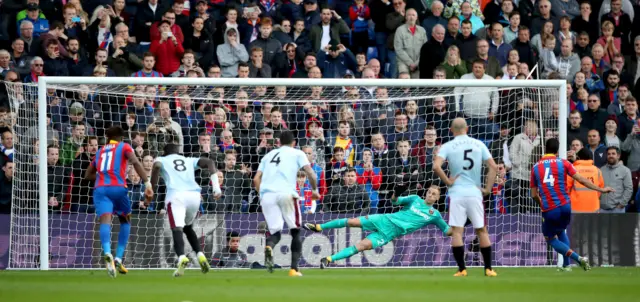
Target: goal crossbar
x=45, y=82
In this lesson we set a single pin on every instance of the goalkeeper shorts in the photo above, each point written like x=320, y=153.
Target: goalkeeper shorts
x=381, y=228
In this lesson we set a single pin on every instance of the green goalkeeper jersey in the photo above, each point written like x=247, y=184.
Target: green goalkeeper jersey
x=416, y=214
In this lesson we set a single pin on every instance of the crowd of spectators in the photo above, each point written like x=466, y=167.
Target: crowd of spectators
x=375, y=138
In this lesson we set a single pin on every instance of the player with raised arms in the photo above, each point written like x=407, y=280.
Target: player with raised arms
x=415, y=214
x=183, y=199
x=276, y=183
x=110, y=195
x=549, y=188
x=465, y=156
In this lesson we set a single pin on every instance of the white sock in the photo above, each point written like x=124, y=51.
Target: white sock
x=118, y=260
x=200, y=254
x=181, y=257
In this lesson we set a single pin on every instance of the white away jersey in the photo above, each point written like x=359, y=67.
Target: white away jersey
x=178, y=172
x=280, y=169
x=465, y=156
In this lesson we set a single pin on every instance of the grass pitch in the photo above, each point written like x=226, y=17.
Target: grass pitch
x=332, y=285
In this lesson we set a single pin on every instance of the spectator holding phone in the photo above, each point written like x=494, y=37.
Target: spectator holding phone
x=168, y=50
x=54, y=65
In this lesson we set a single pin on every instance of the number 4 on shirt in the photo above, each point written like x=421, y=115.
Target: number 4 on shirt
x=548, y=177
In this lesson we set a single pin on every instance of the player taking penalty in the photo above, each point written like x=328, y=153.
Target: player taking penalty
x=276, y=183
x=465, y=156
x=415, y=214
x=183, y=199
x=109, y=170
x=549, y=188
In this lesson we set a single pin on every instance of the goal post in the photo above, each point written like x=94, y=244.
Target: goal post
x=554, y=90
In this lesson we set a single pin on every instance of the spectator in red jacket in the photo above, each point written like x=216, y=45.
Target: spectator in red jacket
x=168, y=50
x=169, y=16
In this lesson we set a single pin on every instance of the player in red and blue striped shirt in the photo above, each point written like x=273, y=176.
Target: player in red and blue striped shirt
x=109, y=170
x=549, y=188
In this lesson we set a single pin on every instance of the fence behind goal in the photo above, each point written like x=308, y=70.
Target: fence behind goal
x=387, y=130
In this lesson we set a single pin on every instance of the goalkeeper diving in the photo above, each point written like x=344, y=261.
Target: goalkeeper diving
x=415, y=214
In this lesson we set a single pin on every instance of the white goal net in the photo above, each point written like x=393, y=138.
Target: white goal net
x=363, y=137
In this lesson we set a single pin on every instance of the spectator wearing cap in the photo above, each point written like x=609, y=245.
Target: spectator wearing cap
x=618, y=177
x=335, y=59
x=610, y=137
x=632, y=145
x=311, y=15
x=22, y=11
x=148, y=12
x=331, y=28
x=408, y=45
x=231, y=53
x=40, y=24
x=595, y=116
x=76, y=116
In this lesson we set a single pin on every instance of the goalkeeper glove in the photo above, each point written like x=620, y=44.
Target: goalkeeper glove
x=399, y=190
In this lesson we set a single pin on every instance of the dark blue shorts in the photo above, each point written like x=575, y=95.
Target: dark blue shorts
x=110, y=200
x=556, y=221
